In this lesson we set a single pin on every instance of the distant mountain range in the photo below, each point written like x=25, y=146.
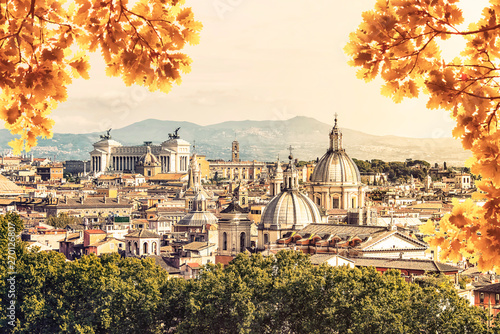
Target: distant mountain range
x=259, y=140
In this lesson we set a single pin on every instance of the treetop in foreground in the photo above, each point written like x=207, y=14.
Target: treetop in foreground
x=398, y=42
x=44, y=44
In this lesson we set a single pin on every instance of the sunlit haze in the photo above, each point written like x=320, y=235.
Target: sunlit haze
x=262, y=60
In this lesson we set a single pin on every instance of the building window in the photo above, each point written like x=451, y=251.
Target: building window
x=242, y=242
x=497, y=298
x=266, y=238
x=335, y=203
x=224, y=241
x=481, y=298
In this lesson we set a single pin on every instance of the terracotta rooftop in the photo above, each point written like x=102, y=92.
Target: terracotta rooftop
x=167, y=177
x=95, y=231
x=425, y=265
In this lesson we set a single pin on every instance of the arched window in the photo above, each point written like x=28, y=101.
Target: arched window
x=153, y=248
x=145, y=248
x=266, y=238
x=224, y=241
x=129, y=249
x=242, y=242
x=136, y=248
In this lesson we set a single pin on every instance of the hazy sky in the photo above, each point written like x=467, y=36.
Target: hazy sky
x=261, y=59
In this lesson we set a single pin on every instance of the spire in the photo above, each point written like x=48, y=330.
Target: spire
x=335, y=137
x=194, y=173
x=290, y=174
x=279, y=172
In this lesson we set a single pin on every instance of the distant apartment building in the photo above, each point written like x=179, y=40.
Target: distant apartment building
x=76, y=167
x=50, y=173
x=89, y=207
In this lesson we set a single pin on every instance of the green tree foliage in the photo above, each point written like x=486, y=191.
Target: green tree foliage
x=396, y=171
x=253, y=294
x=91, y=295
x=287, y=294
x=62, y=220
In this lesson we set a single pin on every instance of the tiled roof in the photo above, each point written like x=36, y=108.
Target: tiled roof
x=489, y=288
x=197, y=245
x=92, y=202
x=425, y=265
x=105, y=241
x=379, y=236
x=322, y=258
x=7, y=186
x=167, y=177
x=142, y=234
x=72, y=237
x=342, y=229
x=95, y=231
x=164, y=265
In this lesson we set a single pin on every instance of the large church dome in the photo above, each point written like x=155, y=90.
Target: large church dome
x=290, y=209
x=335, y=166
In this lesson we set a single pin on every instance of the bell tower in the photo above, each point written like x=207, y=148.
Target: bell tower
x=235, y=151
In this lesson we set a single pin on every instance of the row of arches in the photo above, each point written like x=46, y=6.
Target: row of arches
x=135, y=248
x=243, y=245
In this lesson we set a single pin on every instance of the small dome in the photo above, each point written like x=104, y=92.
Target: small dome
x=336, y=167
x=148, y=159
x=198, y=218
x=290, y=208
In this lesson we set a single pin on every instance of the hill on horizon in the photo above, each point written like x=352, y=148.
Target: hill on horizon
x=259, y=140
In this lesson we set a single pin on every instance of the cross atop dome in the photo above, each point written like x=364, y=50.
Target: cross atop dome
x=335, y=137
x=290, y=149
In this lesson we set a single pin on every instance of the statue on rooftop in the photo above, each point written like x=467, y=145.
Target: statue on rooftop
x=107, y=135
x=175, y=134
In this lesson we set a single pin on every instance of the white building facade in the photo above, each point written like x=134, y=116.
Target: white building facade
x=109, y=155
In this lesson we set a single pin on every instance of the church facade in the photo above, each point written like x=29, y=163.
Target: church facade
x=171, y=156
